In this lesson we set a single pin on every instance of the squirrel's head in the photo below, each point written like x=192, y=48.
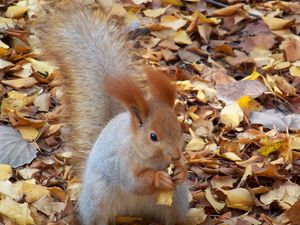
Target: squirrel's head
x=157, y=134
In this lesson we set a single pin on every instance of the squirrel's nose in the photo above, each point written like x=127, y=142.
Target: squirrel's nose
x=177, y=155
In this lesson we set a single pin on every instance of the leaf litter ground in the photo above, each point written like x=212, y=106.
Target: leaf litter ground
x=236, y=65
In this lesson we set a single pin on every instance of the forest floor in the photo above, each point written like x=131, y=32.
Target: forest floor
x=237, y=71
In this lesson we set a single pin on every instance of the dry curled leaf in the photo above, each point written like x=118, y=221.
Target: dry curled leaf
x=14, y=150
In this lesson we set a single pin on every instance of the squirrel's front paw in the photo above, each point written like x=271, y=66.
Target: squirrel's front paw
x=179, y=174
x=163, y=181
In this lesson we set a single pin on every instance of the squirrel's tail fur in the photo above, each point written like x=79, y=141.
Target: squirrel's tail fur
x=86, y=44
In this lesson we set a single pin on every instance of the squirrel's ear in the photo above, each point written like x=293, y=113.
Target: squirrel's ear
x=160, y=86
x=127, y=92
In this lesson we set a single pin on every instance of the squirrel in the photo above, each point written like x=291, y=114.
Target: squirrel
x=128, y=150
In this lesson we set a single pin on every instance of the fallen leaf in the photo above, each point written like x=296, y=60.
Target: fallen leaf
x=14, y=150
x=173, y=2
x=42, y=102
x=20, y=83
x=14, y=101
x=272, y=118
x=270, y=147
x=295, y=71
x=44, y=68
x=28, y=133
x=32, y=191
x=25, y=72
x=6, y=23
x=218, y=206
x=277, y=23
x=19, y=213
x=153, y=13
x=5, y=172
x=221, y=182
x=239, y=198
x=15, y=11
x=231, y=115
x=229, y=10
x=291, y=48
x=196, y=215
x=47, y=205
x=288, y=192
x=172, y=22
x=13, y=190
x=4, y=63
x=27, y=173
x=196, y=144
x=181, y=37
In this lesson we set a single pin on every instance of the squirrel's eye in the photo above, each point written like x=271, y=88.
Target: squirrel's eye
x=153, y=137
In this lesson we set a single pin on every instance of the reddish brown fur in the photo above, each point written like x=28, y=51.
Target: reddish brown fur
x=160, y=86
x=127, y=92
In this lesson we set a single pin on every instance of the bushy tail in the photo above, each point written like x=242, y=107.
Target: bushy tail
x=86, y=44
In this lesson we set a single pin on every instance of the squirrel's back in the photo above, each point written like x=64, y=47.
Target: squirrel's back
x=86, y=44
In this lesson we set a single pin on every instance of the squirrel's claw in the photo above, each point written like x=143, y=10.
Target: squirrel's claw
x=180, y=174
x=163, y=181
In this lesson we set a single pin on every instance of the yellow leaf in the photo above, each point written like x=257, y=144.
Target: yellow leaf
x=20, y=83
x=172, y=22
x=204, y=30
x=294, y=143
x=5, y=172
x=270, y=147
x=165, y=198
x=277, y=23
x=253, y=76
x=28, y=133
x=185, y=85
x=196, y=144
x=218, y=206
x=41, y=67
x=18, y=213
x=32, y=191
x=153, y=13
x=295, y=71
x=247, y=173
x=204, y=19
x=15, y=11
x=228, y=11
x=231, y=156
x=6, y=23
x=173, y=2
x=181, y=37
x=239, y=198
x=14, y=101
x=231, y=115
x=246, y=102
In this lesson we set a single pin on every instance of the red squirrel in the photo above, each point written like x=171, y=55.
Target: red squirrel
x=128, y=150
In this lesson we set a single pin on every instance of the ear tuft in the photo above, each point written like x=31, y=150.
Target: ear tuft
x=124, y=89
x=160, y=86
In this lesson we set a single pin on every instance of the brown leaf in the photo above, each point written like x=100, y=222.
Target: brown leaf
x=291, y=48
